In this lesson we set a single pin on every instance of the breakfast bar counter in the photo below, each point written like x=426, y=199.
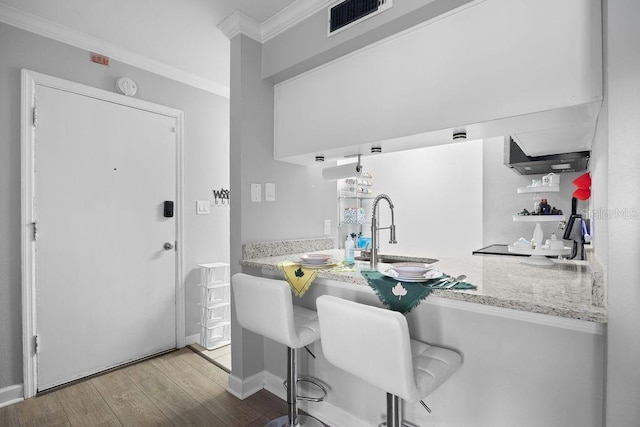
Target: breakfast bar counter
x=569, y=289
x=531, y=337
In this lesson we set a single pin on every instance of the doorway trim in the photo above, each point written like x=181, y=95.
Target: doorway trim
x=30, y=79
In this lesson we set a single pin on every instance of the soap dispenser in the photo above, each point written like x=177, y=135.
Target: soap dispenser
x=349, y=249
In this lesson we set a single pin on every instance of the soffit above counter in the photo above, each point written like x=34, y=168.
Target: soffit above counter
x=410, y=92
x=553, y=122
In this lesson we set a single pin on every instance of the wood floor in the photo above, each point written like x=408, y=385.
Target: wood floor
x=176, y=389
x=220, y=356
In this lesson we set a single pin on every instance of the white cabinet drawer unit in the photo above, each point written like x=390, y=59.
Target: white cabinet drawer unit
x=215, y=305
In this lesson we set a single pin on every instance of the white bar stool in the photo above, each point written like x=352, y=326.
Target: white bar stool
x=264, y=306
x=374, y=344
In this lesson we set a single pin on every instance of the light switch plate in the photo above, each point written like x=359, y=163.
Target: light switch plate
x=256, y=192
x=203, y=207
x=270, y=192
x=327, y=227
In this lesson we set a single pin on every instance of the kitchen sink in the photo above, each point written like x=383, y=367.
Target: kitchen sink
x=389, y=259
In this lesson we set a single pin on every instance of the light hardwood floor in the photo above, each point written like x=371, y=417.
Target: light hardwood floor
x=220, y=356
x=176, y=389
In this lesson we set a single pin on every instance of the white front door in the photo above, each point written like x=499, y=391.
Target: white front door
x=105, y=286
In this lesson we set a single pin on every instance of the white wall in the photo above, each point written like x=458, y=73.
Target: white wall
x=303, y=198
x=437, y=194
x=181, y=34
x=623, y=350
x=206, y=151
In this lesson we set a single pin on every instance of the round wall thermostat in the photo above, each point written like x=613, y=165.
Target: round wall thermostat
x=126, y=86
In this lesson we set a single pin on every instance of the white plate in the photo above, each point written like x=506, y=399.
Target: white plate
x=329, y=263
x=411, y=269
x=432, y=274
x=410, y=276
x=315, y=258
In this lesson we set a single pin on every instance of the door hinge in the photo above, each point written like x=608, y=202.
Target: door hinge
x=35, y=116
x=34, y=224
x=36, y=344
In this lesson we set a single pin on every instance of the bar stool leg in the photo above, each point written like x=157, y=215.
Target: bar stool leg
x=393, y=411
x=293, y=418
x=292, y=386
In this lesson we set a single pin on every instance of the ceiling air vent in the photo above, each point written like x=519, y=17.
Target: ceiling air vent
x=346, y=13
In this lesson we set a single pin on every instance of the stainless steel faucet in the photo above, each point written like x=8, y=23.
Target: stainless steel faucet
x=375, y=229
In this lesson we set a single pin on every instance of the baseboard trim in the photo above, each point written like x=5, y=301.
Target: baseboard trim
x=324, y=411
x=192, y=339
x=243, y=388
x=12, y=394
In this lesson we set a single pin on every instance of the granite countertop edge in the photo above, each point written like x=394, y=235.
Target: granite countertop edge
x=590, y=313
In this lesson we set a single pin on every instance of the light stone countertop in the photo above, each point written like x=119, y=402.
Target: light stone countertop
x=566, y=289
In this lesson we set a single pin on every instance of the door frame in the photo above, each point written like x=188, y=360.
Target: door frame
x=31, y=79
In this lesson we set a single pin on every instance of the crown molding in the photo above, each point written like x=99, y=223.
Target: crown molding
x=237, y=23
x=52, y=30
x=291, y=15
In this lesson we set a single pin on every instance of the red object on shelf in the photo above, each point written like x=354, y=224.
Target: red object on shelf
x=583, y=181
x=582, y=193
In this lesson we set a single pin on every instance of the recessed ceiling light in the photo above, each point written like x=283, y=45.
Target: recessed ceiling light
x=459, y=135
x=561, y=166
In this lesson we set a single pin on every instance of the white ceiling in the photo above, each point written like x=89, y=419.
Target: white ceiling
x=182, y=34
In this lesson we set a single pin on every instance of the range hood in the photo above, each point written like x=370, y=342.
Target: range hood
x=522, y=164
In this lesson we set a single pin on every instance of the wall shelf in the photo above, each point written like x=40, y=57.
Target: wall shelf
x=354, y=198
x=537, y=255
x=538, y=218
x=539, y=189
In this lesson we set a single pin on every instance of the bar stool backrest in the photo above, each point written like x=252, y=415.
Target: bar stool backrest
x=264, y=306
x=370, y=342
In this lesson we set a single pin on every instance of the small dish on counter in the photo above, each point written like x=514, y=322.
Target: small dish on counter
x=315, y=259
x=328, y=263
x=428, y=275
x=411, y=269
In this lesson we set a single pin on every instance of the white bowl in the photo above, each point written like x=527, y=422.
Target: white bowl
x=315, y=258
x=411, y=269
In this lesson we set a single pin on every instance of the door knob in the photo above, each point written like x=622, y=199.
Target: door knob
x=168, y=246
